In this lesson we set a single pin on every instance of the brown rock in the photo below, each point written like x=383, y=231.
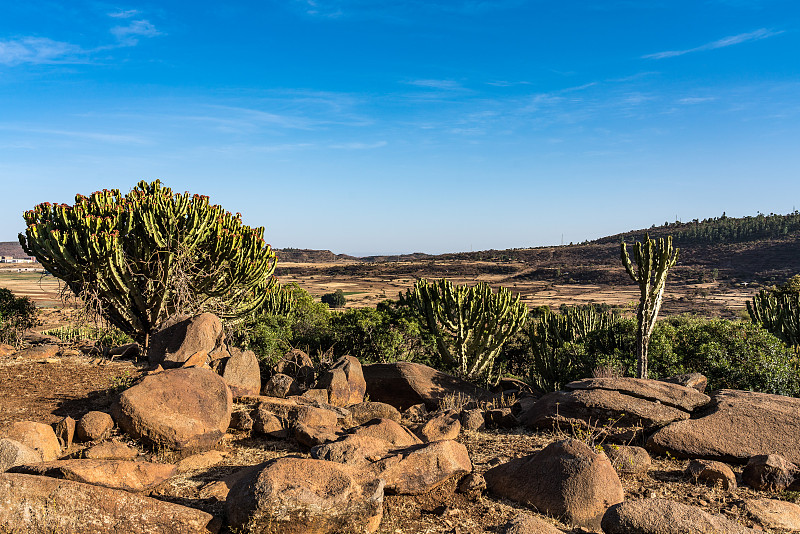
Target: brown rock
x=712, y=473
x=386, y=429
x=311, y=416
x=353, y=450
x=404, y=384
x=198, y=359
x=775, y=514
x=182, y=409
x=14, y=453
x=344, y=382
x=241, y=420
x=472, y=484
x=295, y=495
x=662, y=516
x=501, y=418
x=318, y=395
x=219, y=489
x=65, y=431
x=690, y=380
x=115, y=474
x=738, y=425
x=37, y=436
x=266, y=422
x=677, y=396
x=201, y=460
x=111, y=450
x=473, y=420
x=281, y=385
x=420, y=469
x=299, y=366
x=35, y=504
x=367, y=411
x=39, y=352
x=444, y=426
x=769, y=472
x=283, y=408
x=528, y=524
x=598, y=408
x=180, y=337
x=242, y=373
x=94, y=426
x=628, y=459
x=565, y=479
x=312, y=436
x=6, y=350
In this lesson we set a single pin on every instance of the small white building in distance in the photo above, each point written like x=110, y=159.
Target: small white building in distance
x=11, y=259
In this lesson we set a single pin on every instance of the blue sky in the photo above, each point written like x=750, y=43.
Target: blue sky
x=370, y=127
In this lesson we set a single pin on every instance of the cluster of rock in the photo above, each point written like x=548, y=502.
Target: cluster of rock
x=402, y=441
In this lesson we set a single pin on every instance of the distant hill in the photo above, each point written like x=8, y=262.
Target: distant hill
x=12, y=248
x=762, y=248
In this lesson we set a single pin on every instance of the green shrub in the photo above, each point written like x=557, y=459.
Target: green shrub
x=17, y=314
x=387, y=333
x=335, y=299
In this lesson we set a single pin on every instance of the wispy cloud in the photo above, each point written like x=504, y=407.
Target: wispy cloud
x=40, y=50
x=358, y=146
x=129, y=35
x=756, y=35
x=696, y=99
x=400, y=10
x=124, y=14
x=446, y=85
x=78, y=134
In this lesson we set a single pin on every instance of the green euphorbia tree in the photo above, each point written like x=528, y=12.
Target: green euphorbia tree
x=151, y=253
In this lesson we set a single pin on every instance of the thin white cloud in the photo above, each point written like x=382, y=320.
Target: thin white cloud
x=128, y=13
x=40, y=50
x=696, y=99
x=129, y=35
x=76, y=134
x=359, y=146
x=757, y=35
x=447, y=85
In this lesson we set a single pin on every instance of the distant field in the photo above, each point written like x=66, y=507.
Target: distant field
x=367, y=284
x=42, y=289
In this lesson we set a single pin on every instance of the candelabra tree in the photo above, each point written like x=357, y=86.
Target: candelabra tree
x=778, y=313
x=151, y=253
x=470, y=324
x=653, y=260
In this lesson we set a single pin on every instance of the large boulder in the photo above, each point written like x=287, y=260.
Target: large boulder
x=737, y=426
x=94, y=426
x=353, y=450
x=181, y=338
x=37, y=436
x=42, y=505
x=298, y=365
x=242, y=372
x=298, y=495
x=13, y=453
x=420, y=469
x=367, y=411
x=771, y=513
x=446, y=425
x=344, y=382
x=116, y=474
x=769, y=472
x=566, y=479
x=607, y=410
x=669, y=394
x=404, y=384
x=181, y=409
x=662, y=516
x=628, y=459
x=712, y=473
x=386, y=429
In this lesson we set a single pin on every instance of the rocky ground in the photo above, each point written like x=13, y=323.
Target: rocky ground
x=48, y=382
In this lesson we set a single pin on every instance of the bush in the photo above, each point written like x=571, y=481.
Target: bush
x=387, y=333
x=17, y=314
x=731, y=354
x=147, y=255
x=335, y=299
